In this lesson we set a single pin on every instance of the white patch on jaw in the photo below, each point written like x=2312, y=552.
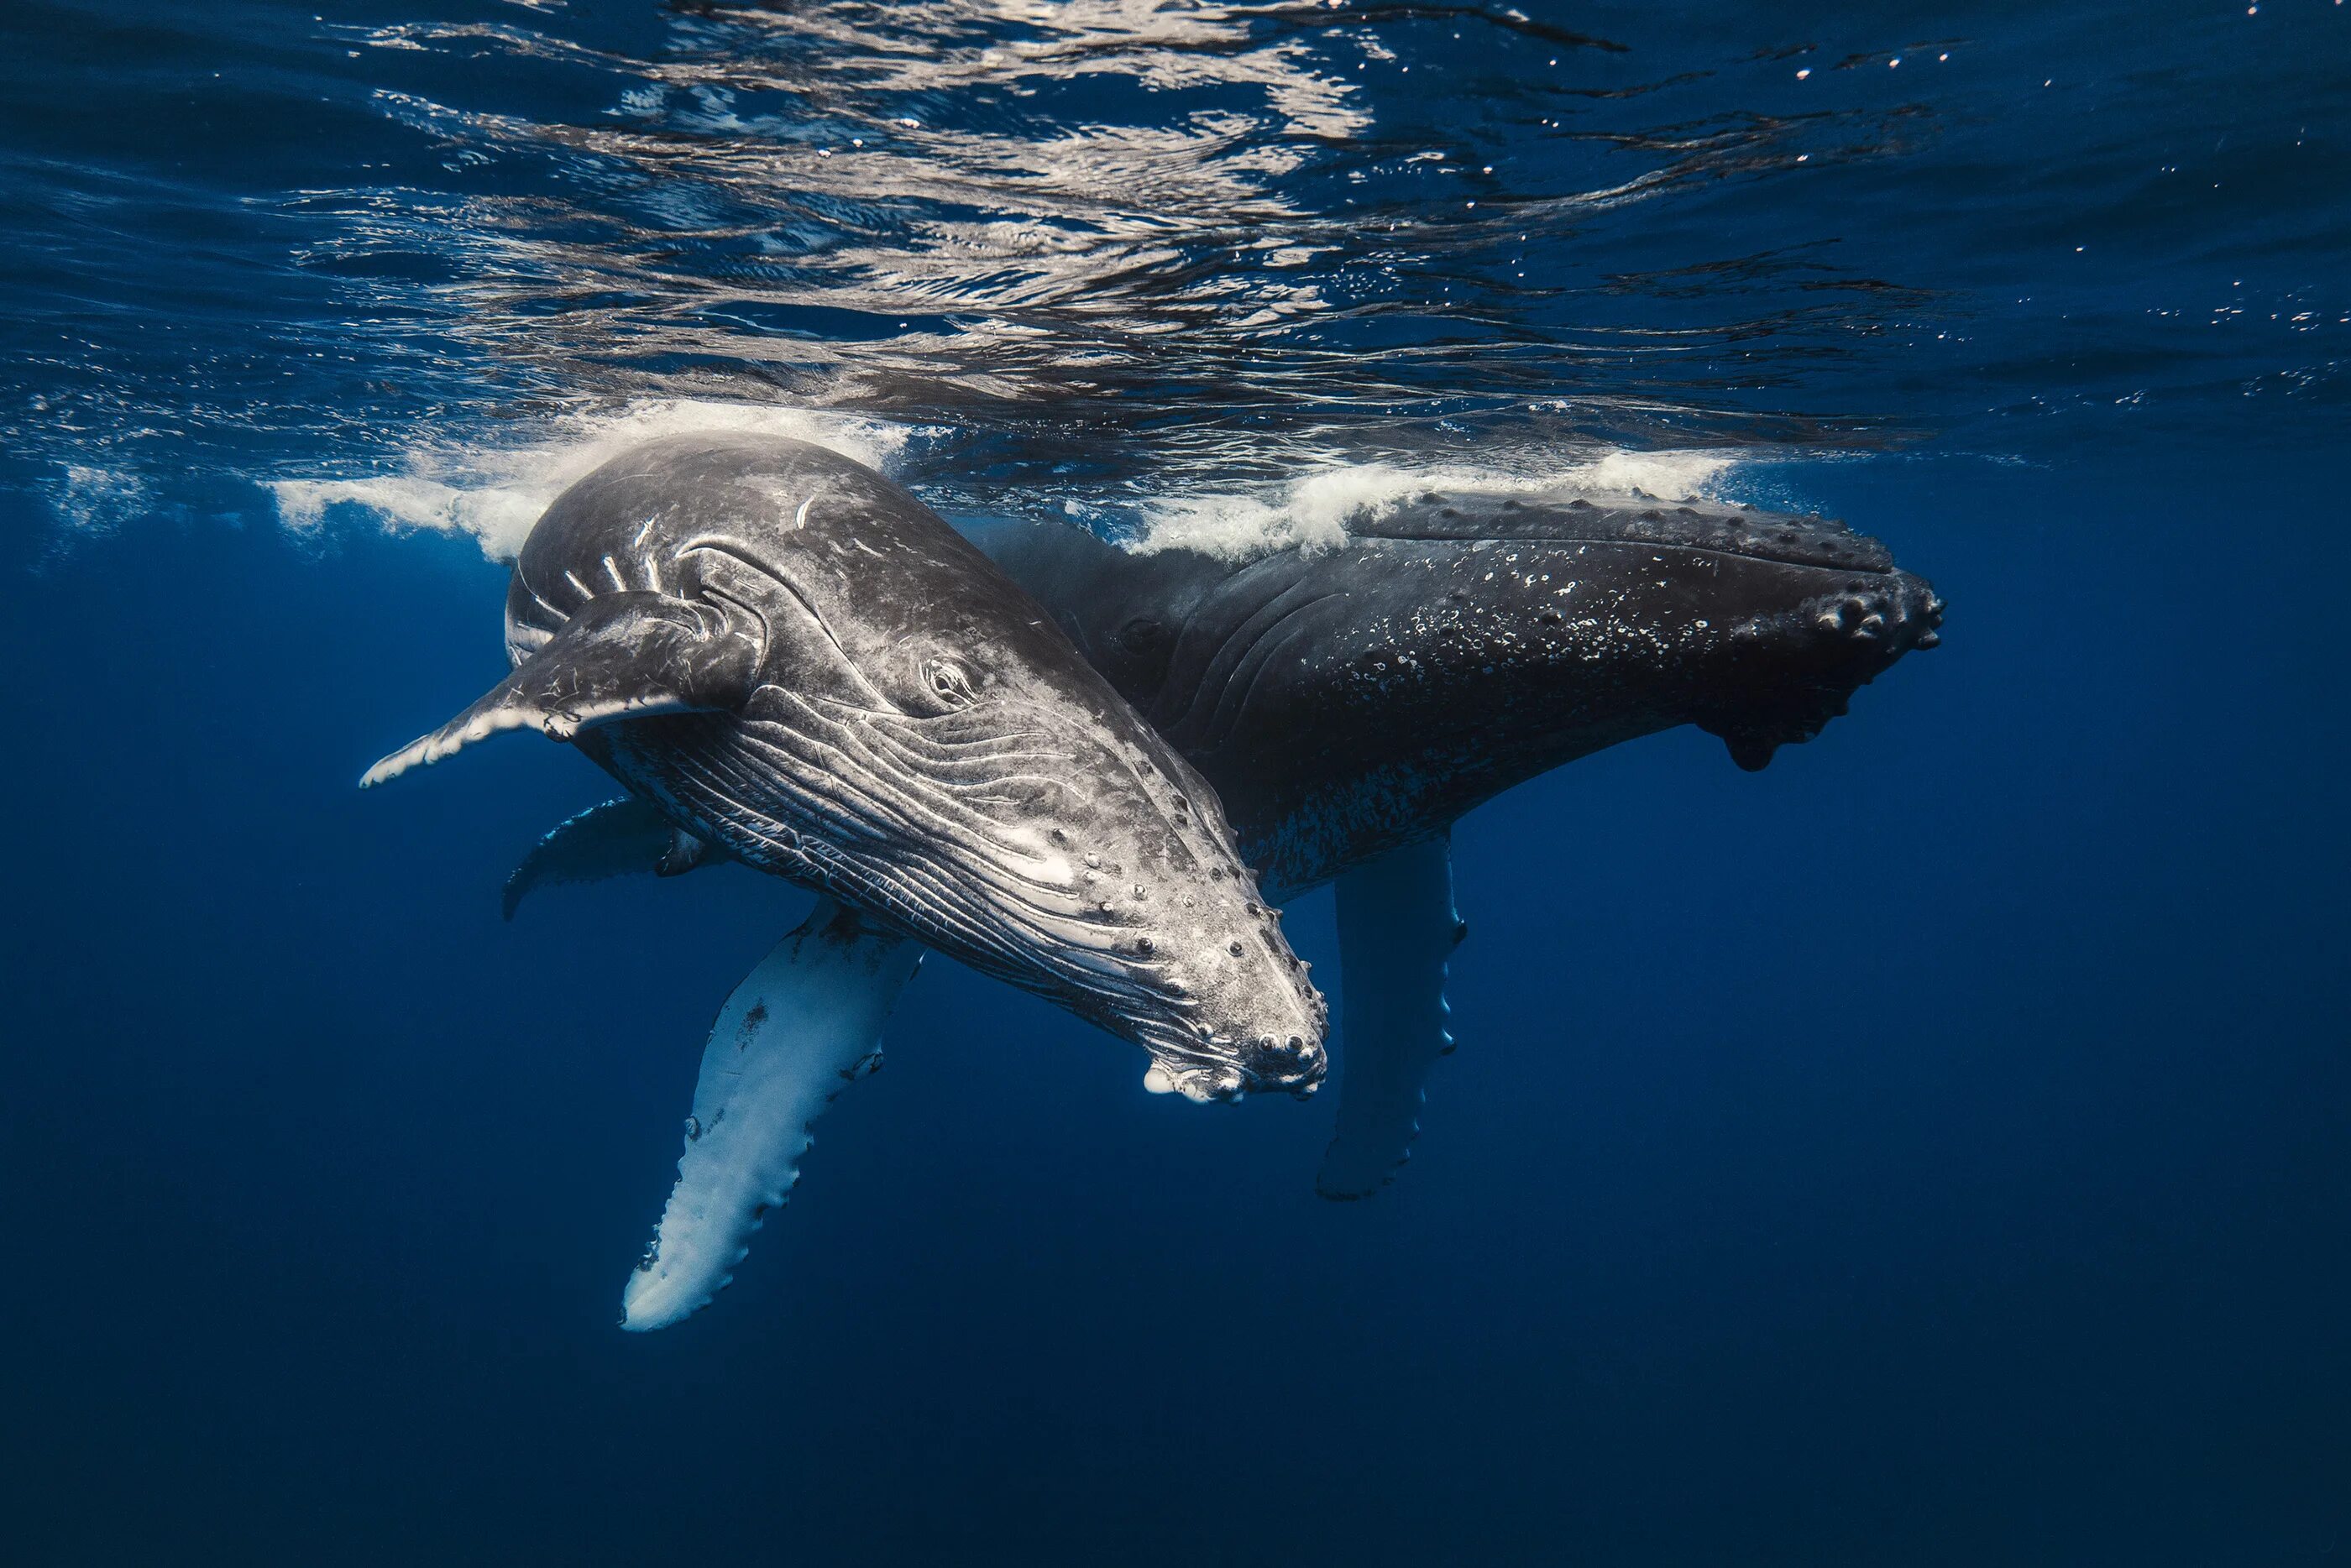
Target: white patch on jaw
x=1156, y=1080
x=1194, y=1083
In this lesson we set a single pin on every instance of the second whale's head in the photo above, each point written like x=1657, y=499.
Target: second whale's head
x=832, y=684
x=1349, y=697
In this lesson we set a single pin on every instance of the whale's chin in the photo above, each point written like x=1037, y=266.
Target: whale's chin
x=1220, y=1073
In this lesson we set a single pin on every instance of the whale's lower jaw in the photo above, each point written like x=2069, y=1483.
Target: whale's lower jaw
x=1217, y=1070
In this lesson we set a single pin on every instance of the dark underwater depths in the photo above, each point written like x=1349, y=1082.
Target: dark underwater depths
x=1936, y=1149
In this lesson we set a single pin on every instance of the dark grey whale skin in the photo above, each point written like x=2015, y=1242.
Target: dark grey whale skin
x=1347, y=700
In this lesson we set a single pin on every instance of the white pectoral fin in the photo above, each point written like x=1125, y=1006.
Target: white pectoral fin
x=622, y=655
x=801, y=1028
x=1397, y=930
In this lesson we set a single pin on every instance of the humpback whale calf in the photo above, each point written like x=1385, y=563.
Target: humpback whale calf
x=797, y=665
x=1350, y=704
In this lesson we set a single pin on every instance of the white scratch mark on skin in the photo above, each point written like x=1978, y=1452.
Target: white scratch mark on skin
x=612, y=570
x=573, y=578
x=799, y=518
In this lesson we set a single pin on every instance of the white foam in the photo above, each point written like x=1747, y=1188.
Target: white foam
x=1316, y=511
x=496, y=492
x=98, y=500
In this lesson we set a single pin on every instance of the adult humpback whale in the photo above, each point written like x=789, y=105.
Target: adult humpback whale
x=798, y=664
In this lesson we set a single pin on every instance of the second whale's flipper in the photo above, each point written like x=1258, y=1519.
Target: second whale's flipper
x=622, y=656
x=1398, y=930
x=801, y=1027
x=615, y=839
x=622, y=837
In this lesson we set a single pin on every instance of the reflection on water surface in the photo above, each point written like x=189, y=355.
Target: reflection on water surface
x=1116, y=242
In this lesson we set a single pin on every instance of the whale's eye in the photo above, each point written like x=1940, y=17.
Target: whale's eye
x=948, y=683
x=1142, y=636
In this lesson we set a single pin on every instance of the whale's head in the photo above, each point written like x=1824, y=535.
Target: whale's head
x=1349, y=697
x=1558, y=624
x=901, y=726
x=1765, y=624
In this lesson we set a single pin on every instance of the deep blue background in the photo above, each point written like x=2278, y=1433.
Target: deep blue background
x=1935, y=1150
x=1930, y=1150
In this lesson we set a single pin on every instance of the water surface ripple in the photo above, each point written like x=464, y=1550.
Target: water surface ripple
x=1158, y=245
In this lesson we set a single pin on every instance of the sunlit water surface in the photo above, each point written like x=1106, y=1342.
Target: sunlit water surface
x=1104, y=251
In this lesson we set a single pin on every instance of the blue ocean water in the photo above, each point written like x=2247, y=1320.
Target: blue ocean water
x=1934, y=1149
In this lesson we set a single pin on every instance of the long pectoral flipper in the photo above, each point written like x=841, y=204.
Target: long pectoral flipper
x=1398, y=930
x=801, y=1028
x=622, y=655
